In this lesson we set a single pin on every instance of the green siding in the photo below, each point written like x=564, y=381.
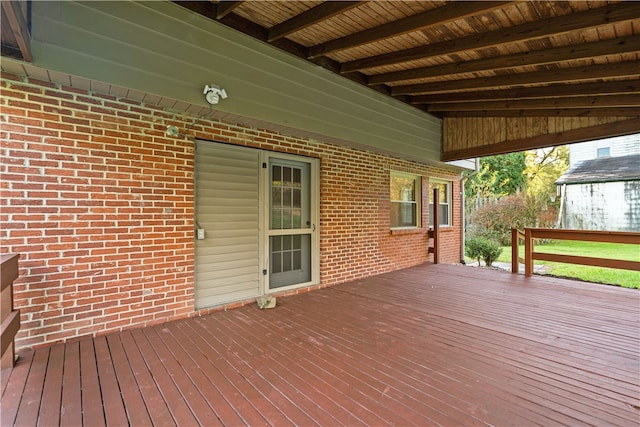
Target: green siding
x=165, y=50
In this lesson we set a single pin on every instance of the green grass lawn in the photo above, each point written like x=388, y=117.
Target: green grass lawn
x=625, y=278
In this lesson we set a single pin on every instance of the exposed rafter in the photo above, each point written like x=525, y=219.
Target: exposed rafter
x=226, y=7
x=556, y=90
x=442, y=15
x=593, y=18
x=19, y=26
x=618, y=70
x=312, y=16
x=540, y=57
x=582, y=102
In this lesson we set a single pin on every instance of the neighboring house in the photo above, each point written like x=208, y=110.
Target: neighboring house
x=601, y=189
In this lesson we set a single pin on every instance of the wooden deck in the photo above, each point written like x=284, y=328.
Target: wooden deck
x=430, y=345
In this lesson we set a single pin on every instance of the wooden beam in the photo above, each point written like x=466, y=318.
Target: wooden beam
x=603, y=16
x=19, y=26
x=583, y=51
x=598, y=101
x=442, y=15
x=564, y=112
x=605, y=71
x=312, y=16
x=625, y=127
x=226, y=7
x=556, y=90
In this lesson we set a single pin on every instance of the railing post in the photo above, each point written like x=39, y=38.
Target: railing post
x=528, y=253
x=515, y=265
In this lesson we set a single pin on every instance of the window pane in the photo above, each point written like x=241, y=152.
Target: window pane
x=442, y=191
x=297, y=260
x=286, y=261
x=297, y=177
x=444, y=214
x=403, y=214
x=403, y=188
x=276, y=262
x=443, y=211
x=296, y=218
x=277, y=175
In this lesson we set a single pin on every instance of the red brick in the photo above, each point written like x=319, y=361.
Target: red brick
x=108, y=235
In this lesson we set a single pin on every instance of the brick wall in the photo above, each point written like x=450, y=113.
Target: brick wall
x=98, y=201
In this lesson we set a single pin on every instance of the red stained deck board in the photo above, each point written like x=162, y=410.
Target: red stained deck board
x=52, y=391
x=428, y=345
x=147, y=387
x=174, y=400
x=92, y=401
x=71, y=405
x=135, y=407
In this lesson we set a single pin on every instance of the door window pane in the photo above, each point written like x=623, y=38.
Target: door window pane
x=287, y=199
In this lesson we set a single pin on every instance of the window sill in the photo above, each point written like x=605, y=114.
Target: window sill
x=403, y=231
x=444, y=228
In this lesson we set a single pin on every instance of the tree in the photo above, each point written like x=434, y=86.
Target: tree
x=543, y=168
x=498, y=176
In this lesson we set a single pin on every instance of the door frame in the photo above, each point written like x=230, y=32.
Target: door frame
x=314, y=172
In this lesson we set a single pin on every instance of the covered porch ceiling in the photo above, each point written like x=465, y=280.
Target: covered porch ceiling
x=463, y=59
x=503, y=76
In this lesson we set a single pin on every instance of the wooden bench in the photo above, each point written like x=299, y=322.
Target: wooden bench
x=10, y=317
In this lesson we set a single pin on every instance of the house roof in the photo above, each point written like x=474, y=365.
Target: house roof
x=605, y=169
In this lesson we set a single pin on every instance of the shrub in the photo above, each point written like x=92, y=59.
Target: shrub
x=480, y=248
x=494, y=221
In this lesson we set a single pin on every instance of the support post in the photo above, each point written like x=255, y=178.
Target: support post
x=528, y=253
x=436, y=226
x=515, y=264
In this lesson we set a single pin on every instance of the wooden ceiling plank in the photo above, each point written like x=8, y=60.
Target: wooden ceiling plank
x=224, y=8
x=603, y=16
x=19, y=26
x=581, y=89
x=445, y=14
x=599, y=101
x=620, y=128
x=628, y=69
x=539, y=57
x=312, y=16
x=565, y=112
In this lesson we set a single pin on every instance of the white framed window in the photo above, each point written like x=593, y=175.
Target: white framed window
x=404, y=191
x=603, y=152
x=444, y=208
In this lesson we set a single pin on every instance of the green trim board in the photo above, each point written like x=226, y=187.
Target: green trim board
x=165, y=50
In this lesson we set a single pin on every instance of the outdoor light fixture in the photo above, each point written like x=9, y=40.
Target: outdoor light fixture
x=172, y=131
x=213, y=94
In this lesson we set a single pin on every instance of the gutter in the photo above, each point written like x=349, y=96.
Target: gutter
x=463, y=181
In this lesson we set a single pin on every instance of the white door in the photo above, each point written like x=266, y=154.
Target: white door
x=292, y=222
x=227, y=201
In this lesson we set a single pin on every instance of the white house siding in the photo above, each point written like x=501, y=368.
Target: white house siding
x=613, y=206
x=620, y=146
